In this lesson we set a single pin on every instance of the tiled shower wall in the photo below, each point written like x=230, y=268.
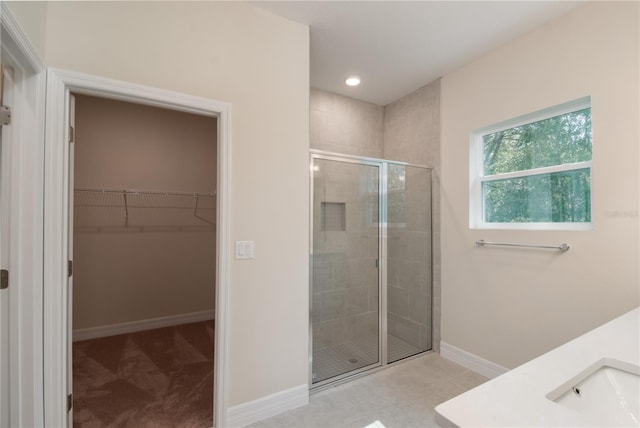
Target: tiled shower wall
x=412, y=134
x=406, y=130
x=412, y=127
x=344, y=125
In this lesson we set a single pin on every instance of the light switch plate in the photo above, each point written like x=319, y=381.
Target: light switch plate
x=245, y=249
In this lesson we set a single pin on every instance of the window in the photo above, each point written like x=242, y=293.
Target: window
x=534, y=172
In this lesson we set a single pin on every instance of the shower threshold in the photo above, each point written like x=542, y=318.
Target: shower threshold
x=352, y=355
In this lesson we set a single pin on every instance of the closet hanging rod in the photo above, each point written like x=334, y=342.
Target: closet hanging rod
x=562, y=247
x=144, y=192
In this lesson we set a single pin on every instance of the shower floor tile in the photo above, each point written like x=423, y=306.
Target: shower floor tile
x=352, y=355
x=399, y=349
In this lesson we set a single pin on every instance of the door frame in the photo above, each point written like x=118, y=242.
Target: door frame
x=26, y=223
x=383, y=164
x=60, y=84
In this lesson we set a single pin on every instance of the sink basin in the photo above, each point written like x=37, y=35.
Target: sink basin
x=607, y=391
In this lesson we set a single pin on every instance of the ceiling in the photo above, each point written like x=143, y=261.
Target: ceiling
x=398, y=46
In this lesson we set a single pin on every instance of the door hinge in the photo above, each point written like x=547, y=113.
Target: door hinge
x=69, y=402
x=70, y=268
x=5, y=115
x=4, y=279
x=72, y=132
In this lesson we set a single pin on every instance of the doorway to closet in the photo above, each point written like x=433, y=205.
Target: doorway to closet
x=144, y=264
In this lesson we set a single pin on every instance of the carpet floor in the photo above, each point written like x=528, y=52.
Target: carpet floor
x=156, y=378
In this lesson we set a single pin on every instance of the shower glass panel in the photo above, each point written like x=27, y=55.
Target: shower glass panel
x=345, y=276
x=409, y=290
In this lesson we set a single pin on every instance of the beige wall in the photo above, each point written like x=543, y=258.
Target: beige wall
x=32, y=18
x=160, y=261
x=259, y=63
x=509, y=306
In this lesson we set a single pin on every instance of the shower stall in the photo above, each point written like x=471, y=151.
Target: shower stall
x=371, y=264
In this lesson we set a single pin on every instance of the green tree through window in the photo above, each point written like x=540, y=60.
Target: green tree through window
x=538, y=171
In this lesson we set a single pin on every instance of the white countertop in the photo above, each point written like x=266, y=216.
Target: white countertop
x=517, y=398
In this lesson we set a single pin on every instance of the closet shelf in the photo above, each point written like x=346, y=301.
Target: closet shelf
x=144, y=192
x=143, y=209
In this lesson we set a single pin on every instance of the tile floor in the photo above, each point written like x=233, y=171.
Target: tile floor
x=401, y=396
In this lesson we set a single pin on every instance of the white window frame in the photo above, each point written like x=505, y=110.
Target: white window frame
x=477, y=176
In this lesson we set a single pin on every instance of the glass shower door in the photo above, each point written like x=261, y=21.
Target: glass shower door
x=409, y=261
x=345, y=276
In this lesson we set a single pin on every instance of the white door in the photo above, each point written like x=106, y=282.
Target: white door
x=6, y=92
x=71, y=131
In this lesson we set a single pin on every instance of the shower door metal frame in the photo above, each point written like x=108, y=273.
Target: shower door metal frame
x=382, y=164
x=356, y=161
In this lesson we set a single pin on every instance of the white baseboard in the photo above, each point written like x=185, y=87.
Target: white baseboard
x=471, y=361
x=133, y=326
x=265, y=407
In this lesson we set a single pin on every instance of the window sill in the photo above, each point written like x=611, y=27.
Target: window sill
x=534, y=226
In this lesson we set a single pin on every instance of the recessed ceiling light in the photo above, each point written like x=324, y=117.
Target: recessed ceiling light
x=353, y=80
